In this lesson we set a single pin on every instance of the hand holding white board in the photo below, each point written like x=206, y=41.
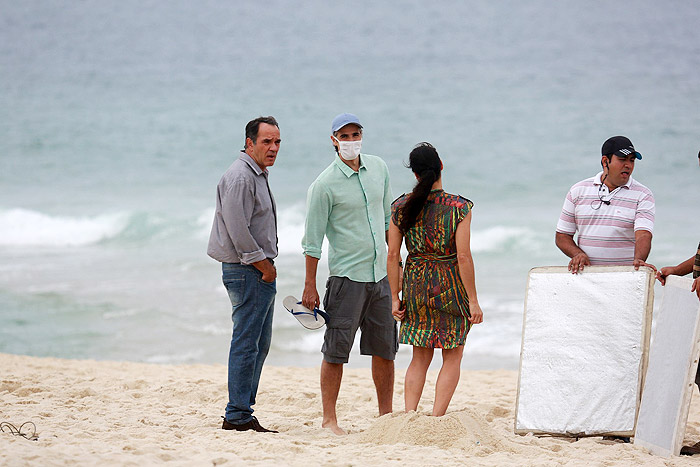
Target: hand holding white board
x=673, y=361
x=584, y=345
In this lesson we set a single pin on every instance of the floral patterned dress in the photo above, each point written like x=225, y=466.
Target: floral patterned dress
x=434, y=297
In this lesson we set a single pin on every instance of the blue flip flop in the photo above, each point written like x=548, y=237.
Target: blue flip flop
x=315, y=319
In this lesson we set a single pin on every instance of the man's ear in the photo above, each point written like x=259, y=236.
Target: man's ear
x=335, y=143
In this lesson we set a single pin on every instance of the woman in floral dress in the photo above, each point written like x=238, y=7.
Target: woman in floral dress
x=439, y=302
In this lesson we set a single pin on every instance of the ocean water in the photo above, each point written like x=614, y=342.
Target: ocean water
x=117, y=120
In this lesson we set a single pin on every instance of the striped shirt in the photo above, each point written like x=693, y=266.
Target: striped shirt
x=696, y=265
x=606, y=231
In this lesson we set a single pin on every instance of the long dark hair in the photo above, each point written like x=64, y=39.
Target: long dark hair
x=424, y=161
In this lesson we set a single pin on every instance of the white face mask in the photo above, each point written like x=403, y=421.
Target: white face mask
x=349, y=150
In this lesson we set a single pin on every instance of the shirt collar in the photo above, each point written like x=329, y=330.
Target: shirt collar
x=251, y=162
x=345, y=168
x=597, y=181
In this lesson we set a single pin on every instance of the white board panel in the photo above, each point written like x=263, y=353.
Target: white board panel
x=583, y=352
x=673, y=361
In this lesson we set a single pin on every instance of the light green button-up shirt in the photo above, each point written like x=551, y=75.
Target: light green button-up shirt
x=353, y=210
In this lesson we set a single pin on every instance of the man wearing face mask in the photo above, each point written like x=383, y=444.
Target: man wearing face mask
x=612, y=213
x=350, y=204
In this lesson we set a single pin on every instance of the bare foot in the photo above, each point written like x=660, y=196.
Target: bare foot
x=333, y=426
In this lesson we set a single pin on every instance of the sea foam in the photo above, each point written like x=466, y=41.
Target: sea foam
x=23, y=227
x=290, y=230
x=500, y=238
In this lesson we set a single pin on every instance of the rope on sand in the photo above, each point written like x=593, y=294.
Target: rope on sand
x=32, y=436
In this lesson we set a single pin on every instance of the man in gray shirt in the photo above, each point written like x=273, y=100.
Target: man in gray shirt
x=244, y=239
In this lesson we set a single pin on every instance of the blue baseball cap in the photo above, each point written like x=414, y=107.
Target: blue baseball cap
x=344, y=119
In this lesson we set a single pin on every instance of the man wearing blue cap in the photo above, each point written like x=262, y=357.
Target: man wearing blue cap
x=350, y=204
x=612, y=213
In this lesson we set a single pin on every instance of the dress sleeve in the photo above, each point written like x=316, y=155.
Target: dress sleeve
x=396, y=209
x=465, y=206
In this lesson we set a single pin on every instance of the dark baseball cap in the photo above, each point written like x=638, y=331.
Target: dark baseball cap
x=619, y=146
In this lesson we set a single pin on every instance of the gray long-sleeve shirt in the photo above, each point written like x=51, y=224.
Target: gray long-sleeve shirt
x=245, y=222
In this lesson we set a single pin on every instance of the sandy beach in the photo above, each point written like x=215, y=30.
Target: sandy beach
x=116, y=413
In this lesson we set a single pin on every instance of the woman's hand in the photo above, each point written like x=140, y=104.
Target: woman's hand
x=477, y=316
x=663, y=272
x=397, y=309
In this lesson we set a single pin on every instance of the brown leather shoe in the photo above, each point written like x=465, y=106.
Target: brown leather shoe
x=690, y=450
x=624, y=439
x=251, y=425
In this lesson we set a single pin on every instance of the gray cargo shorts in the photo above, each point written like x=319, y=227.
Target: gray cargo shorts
x=352, y=305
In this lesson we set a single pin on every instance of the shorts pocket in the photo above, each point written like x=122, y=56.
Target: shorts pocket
x=339, y=337
x=335, y=289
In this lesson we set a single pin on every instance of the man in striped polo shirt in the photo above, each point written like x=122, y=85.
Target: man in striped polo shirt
x=612, y=213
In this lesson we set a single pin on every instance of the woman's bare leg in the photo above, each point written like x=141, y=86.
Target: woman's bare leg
x=415, y=376
x=447, y=379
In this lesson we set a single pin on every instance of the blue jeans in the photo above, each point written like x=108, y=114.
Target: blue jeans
x=253, y=302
